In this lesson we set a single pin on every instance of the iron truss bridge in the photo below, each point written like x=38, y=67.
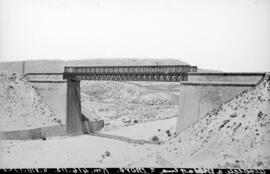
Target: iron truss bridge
x=170, y=73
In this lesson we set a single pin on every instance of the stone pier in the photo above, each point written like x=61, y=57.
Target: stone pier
x=73, y=120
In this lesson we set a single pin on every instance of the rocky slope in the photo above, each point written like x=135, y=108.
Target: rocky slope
x=21, y=106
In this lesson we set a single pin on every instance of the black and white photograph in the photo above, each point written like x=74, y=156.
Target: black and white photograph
x=135, y=85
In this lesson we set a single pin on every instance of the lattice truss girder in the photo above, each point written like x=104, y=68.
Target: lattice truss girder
x=130, y=73
x=128, y=77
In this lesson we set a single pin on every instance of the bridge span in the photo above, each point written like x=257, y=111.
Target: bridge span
x=200, y=92
x=75, y=121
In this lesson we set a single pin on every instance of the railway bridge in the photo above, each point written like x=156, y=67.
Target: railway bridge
x=73, y=75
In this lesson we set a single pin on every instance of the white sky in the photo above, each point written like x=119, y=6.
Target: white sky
x=228, y=35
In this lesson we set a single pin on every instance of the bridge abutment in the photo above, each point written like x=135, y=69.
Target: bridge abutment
x=207, y=91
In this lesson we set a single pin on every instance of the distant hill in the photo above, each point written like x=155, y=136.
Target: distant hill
x=57, y=66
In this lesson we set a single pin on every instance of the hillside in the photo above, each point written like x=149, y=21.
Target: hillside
x=21, y=106
x=125, y=103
